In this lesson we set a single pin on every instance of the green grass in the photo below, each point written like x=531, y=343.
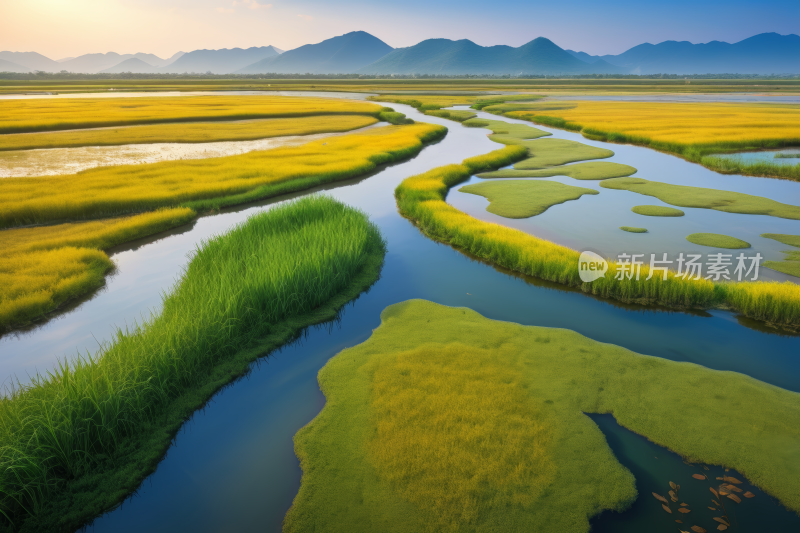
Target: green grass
x=523, y=198
x=391, y=116
x=657, y=211
x=715, y=240
x=594, y=170
x=79, y=439
x=780, y=155
x=791, y=263
x=459, y=115
x=631, y=229
x=444, y=420
x=685, y=196
x=506, y=133
x=791, y=240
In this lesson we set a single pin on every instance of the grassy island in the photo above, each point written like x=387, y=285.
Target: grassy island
x=523, y=198
x=444, y=420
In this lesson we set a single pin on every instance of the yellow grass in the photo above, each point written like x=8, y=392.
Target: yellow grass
x=457, y=435
x=43, y=267
x=689, y=123
x=199, y=132
x=116, y=190
x=20, y=115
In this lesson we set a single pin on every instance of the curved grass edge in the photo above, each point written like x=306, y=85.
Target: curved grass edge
x=27, y=310
x=105, y=489
x=631, y=229
x=696, y=153
x=421, y=199
x=299, y=184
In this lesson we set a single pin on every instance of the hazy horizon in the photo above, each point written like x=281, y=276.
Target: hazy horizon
x=59, y=29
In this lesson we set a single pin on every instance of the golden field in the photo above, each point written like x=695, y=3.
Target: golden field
x=109, y=191
x=689, y=123
x=43, y=267
x=21, y=115
x=193, y=132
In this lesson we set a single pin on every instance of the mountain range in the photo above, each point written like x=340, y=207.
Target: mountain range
x=359, y=52
x=344, y=54
x=766, y=53
x=443, y=56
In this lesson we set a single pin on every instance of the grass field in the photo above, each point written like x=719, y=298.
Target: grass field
x=593, y=170
x=208, y=183
x=422, y=199
x=75, y=442
x=198, y=132
x=631, y=229
x=44, y=267
x=37, y=115
x=523, y=198
x=657, y=211
x=715, y=240
x=685, y=196
x=694, y=131
x=444, y=420
x=791, y=262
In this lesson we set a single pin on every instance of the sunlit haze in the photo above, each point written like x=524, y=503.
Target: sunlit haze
x=62, y=28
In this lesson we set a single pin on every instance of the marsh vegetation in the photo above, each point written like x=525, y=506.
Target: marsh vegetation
x=78, y=439
x=445, y=420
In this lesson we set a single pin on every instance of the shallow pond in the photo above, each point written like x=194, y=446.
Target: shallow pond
x=233, y=466
x=54, y=161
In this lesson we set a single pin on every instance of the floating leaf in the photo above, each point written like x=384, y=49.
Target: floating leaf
x=660, y=498
x=673, y=485
x=684, y=504
x=679, y=521
x=698, y=529
x=667, y=509
x=722, y=527
x=716, y=503
x=684, y=510
x=721, y=520
x=749, y=494
x=734, y=488
x=724, y=491
x=698, y=476
x=735, y=498
x=712, y=490
x=720, y=479
x=713, y=508
x=730, y=479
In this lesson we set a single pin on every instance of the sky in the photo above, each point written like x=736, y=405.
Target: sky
x=66, y=28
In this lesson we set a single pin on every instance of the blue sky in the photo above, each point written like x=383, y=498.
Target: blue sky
x=60, y=28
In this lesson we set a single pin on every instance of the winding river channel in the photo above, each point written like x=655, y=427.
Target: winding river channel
x=233, y=467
